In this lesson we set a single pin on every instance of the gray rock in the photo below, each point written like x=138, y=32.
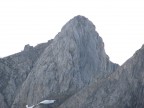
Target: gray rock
x=123, y=89
x=14, y=70
x=76, y=58
x=28, y=47
x=2, y=102
x=74, y=70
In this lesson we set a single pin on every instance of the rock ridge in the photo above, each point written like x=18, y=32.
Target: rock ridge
x=14, y=70
x=122, y=89
x=74, y=59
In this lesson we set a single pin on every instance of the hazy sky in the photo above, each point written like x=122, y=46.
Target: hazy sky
x=119, y=22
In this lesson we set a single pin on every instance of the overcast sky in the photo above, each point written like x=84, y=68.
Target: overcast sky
x=119, y=22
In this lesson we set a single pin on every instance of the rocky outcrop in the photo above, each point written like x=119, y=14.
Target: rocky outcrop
x=75, y=59
x=73, y=69
x=14, y=70
x=123, y=89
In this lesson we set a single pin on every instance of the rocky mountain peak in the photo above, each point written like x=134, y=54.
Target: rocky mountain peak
x=78, y=25
x=74, y=59
x=74, y=70
x=80, y=37
x=79, y=21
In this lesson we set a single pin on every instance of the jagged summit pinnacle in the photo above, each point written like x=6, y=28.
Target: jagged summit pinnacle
x=79, y=22
x=74, y=70
x=80, y=19
x=74, y=59
x=81, y=30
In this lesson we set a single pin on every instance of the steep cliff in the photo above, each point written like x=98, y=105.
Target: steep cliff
x=14, y=70
x=123, y=89
x=73, y=69
x=75, y=59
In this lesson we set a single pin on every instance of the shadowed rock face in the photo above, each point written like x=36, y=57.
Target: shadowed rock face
x=75, y=59
x=123, y=89
x=74, y=70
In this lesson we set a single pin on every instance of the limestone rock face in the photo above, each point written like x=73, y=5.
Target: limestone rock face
x=73, y=69
x=14, y=70
x=75, y=59
x=122, y=89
